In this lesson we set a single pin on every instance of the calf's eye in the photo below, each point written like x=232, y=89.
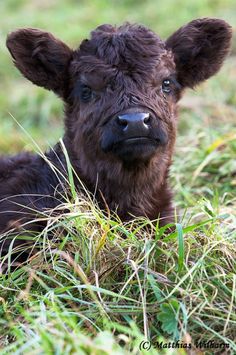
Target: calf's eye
x=166, y=86
x=85, y=93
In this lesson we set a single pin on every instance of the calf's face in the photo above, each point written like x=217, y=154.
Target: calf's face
x=123, y=93
x=122, y=85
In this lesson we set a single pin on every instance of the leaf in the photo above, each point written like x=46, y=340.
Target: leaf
x=180, y=246
x=168, y=317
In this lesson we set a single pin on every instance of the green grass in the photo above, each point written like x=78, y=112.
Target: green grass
x=89, y=290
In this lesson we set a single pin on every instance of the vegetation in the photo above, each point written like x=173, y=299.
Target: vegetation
x=100, y=286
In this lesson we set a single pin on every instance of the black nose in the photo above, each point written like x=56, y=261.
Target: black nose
x=134, y=123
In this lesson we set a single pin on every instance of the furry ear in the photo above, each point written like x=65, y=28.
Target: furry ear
x=199, y=48
x=40, y=57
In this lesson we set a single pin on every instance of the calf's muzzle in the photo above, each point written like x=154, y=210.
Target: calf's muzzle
x=132, y=135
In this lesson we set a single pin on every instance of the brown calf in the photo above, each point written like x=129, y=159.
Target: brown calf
x=120, y=90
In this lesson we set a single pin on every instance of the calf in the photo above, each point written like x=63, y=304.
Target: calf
x=120, y=89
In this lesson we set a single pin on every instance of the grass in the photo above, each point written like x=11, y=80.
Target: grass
x=89, y=289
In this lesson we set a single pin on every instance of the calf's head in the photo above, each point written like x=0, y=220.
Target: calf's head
x=122, y=85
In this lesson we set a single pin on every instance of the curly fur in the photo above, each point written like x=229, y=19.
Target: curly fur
x=125, y=67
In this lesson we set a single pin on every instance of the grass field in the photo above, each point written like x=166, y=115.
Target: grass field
x=92, y=291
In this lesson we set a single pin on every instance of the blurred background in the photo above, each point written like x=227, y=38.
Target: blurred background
x=208, y=115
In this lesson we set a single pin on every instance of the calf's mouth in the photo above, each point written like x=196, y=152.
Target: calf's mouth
x=135, y=148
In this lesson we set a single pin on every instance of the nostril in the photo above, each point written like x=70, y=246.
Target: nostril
x=122, y=121
x=147, y=118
